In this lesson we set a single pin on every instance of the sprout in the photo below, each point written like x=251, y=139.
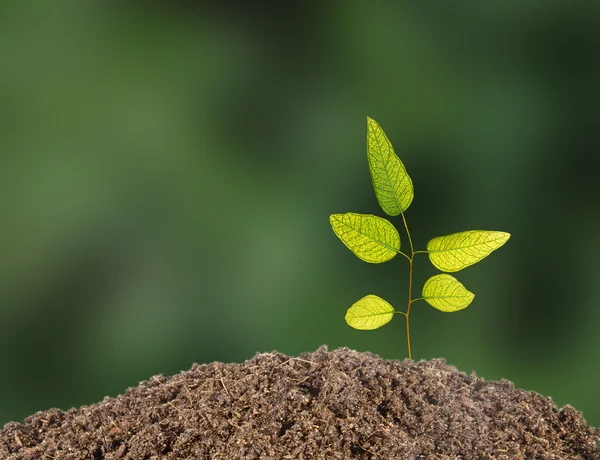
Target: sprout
x=376, y=240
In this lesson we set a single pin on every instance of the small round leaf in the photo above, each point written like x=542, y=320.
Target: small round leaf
x=446, y=293
x=370, y=312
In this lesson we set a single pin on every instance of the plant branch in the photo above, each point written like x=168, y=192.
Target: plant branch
x=410, y=270
x=410, y=280
x=405, y=255
x=412, y=249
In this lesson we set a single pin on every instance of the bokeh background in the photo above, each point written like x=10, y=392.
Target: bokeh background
x=167, y=172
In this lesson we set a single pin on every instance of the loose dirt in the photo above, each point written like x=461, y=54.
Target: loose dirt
x=322, y=405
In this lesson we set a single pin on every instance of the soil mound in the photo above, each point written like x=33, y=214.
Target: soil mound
x=322, y=405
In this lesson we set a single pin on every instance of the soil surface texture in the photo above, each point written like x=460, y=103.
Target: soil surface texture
x=322, y=405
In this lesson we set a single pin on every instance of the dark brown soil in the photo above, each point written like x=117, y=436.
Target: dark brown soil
x=323, y=405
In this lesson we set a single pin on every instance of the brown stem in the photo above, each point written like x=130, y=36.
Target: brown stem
x=410, y=270
x=410, y=277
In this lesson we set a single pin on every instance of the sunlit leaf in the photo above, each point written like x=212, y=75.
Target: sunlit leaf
x=373, y=239
x=370, y=312
x=446, y=293
x=392, y=184
x=454, y=252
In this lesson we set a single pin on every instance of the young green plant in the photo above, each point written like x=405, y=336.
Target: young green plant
x=375, y=240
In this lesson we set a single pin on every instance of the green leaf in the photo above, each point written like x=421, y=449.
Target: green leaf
x=373, y=239
x=446, y=293
x=392, y=184
x=452, y=253
x=370, y=312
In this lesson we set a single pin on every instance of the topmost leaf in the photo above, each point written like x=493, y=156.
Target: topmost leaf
x=392, y=184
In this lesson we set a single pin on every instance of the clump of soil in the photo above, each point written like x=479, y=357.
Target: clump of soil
x=322, y=405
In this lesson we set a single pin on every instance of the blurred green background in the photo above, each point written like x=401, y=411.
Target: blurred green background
x=167, y=172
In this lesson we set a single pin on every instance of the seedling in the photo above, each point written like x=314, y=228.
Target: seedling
x=375, y=240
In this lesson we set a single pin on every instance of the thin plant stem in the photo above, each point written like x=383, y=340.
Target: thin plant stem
x=403, y=254
x=412, y=249
x=410, y=263
x=410, y=277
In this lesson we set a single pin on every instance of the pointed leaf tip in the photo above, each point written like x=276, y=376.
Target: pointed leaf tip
x=371, y=238
x=370, y=312
x=454, y=252
x=392, y=184
x=446, y=293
